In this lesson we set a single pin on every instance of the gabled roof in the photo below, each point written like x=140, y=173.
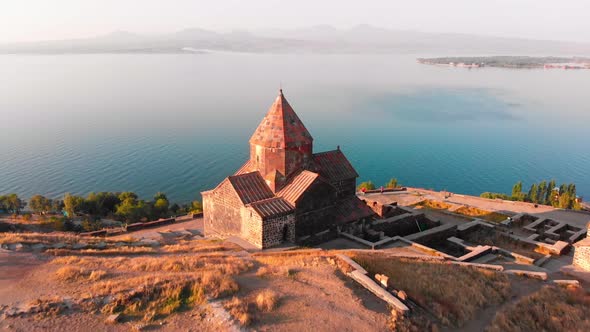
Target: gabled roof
x=246, y=168
x=273, y=207
x=297, y=186
x=281, y=127
x=351, y=209
x=250, y=187
x=333, y=165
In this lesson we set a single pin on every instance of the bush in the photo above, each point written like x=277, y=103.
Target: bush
x=267, y=300
x=367, y=185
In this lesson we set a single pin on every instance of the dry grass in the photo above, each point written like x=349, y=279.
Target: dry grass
x=200, y=246
x=239, y=310
x=218, y=284
x=294, y=258
x=157, y=299
x=151, y=286
x=245, y=310
x=552, y=308
x=482, y=214
x=453, y=293
x=228, y=265
x=47, y=307
x=33, y=238
x=275, y=271
x=97, y=275
x=267, y=300
x=75, y=273
x=123, y=250
x=435, y=205
x=56, y=237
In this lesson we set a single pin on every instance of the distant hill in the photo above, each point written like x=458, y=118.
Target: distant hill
x=315, y=39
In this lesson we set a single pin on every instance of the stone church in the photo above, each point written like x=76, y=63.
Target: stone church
x=285, y=192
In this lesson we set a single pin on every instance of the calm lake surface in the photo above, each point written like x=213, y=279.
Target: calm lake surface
x=181, y=123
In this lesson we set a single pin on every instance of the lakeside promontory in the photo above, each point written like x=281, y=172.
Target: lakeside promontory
x=517, y=62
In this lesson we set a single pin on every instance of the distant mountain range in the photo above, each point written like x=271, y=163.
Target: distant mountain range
x=316, y=39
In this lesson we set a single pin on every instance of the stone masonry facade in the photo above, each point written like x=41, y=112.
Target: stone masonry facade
x=284, y=191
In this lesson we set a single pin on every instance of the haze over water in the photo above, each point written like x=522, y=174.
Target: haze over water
x=181, y=123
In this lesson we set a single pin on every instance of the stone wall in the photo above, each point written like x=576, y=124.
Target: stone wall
x=278, y=230
x=582, y=257
x=403, y=225
x=251, y=223
x=315, y=208
x=221, y=210
x=267, y=233
x=346, y=187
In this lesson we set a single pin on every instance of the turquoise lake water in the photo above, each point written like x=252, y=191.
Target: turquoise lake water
x=181, y=123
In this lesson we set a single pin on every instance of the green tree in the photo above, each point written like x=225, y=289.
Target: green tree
x=491, y=195
x=72, y=204
x=367, y=185
x=174, y=208
x=131, y=209
x=101, y=204
x=91, y=224
x=517, y=192
x=161, y=205
x=57, y=205
x=196, y=207
x=542, y=192
x=549, y=196
x=12, y=203
x=533, y=192
x=127, y=195
x=565, y=201
x=392, y=183
x=40, y=204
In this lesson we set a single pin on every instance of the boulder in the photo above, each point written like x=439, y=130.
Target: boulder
x=39, y=247
x=79, y=246
x=113, y=319
x=402, y=295
x=383, y=280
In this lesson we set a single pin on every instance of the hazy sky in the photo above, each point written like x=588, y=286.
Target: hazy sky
x=27, y=20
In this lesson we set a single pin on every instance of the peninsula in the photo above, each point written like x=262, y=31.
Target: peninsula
x=516, y=62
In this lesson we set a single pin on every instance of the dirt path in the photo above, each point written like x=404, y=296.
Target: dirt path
x=14, y=267
x=520, y=287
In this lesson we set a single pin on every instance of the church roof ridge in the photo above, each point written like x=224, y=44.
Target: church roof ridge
x=281, y=127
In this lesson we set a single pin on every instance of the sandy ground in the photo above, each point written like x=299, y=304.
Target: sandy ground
x=192, y=226
x=15, y=270
x=317, y=298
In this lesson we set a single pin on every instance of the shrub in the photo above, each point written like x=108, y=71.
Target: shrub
x=367, y=185
x=266, y=300
x=239, y=309
x=71, y=273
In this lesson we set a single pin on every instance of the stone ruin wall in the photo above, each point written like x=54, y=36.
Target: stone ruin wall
x=582, y=253
x=402, y=225
x=582, y=257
